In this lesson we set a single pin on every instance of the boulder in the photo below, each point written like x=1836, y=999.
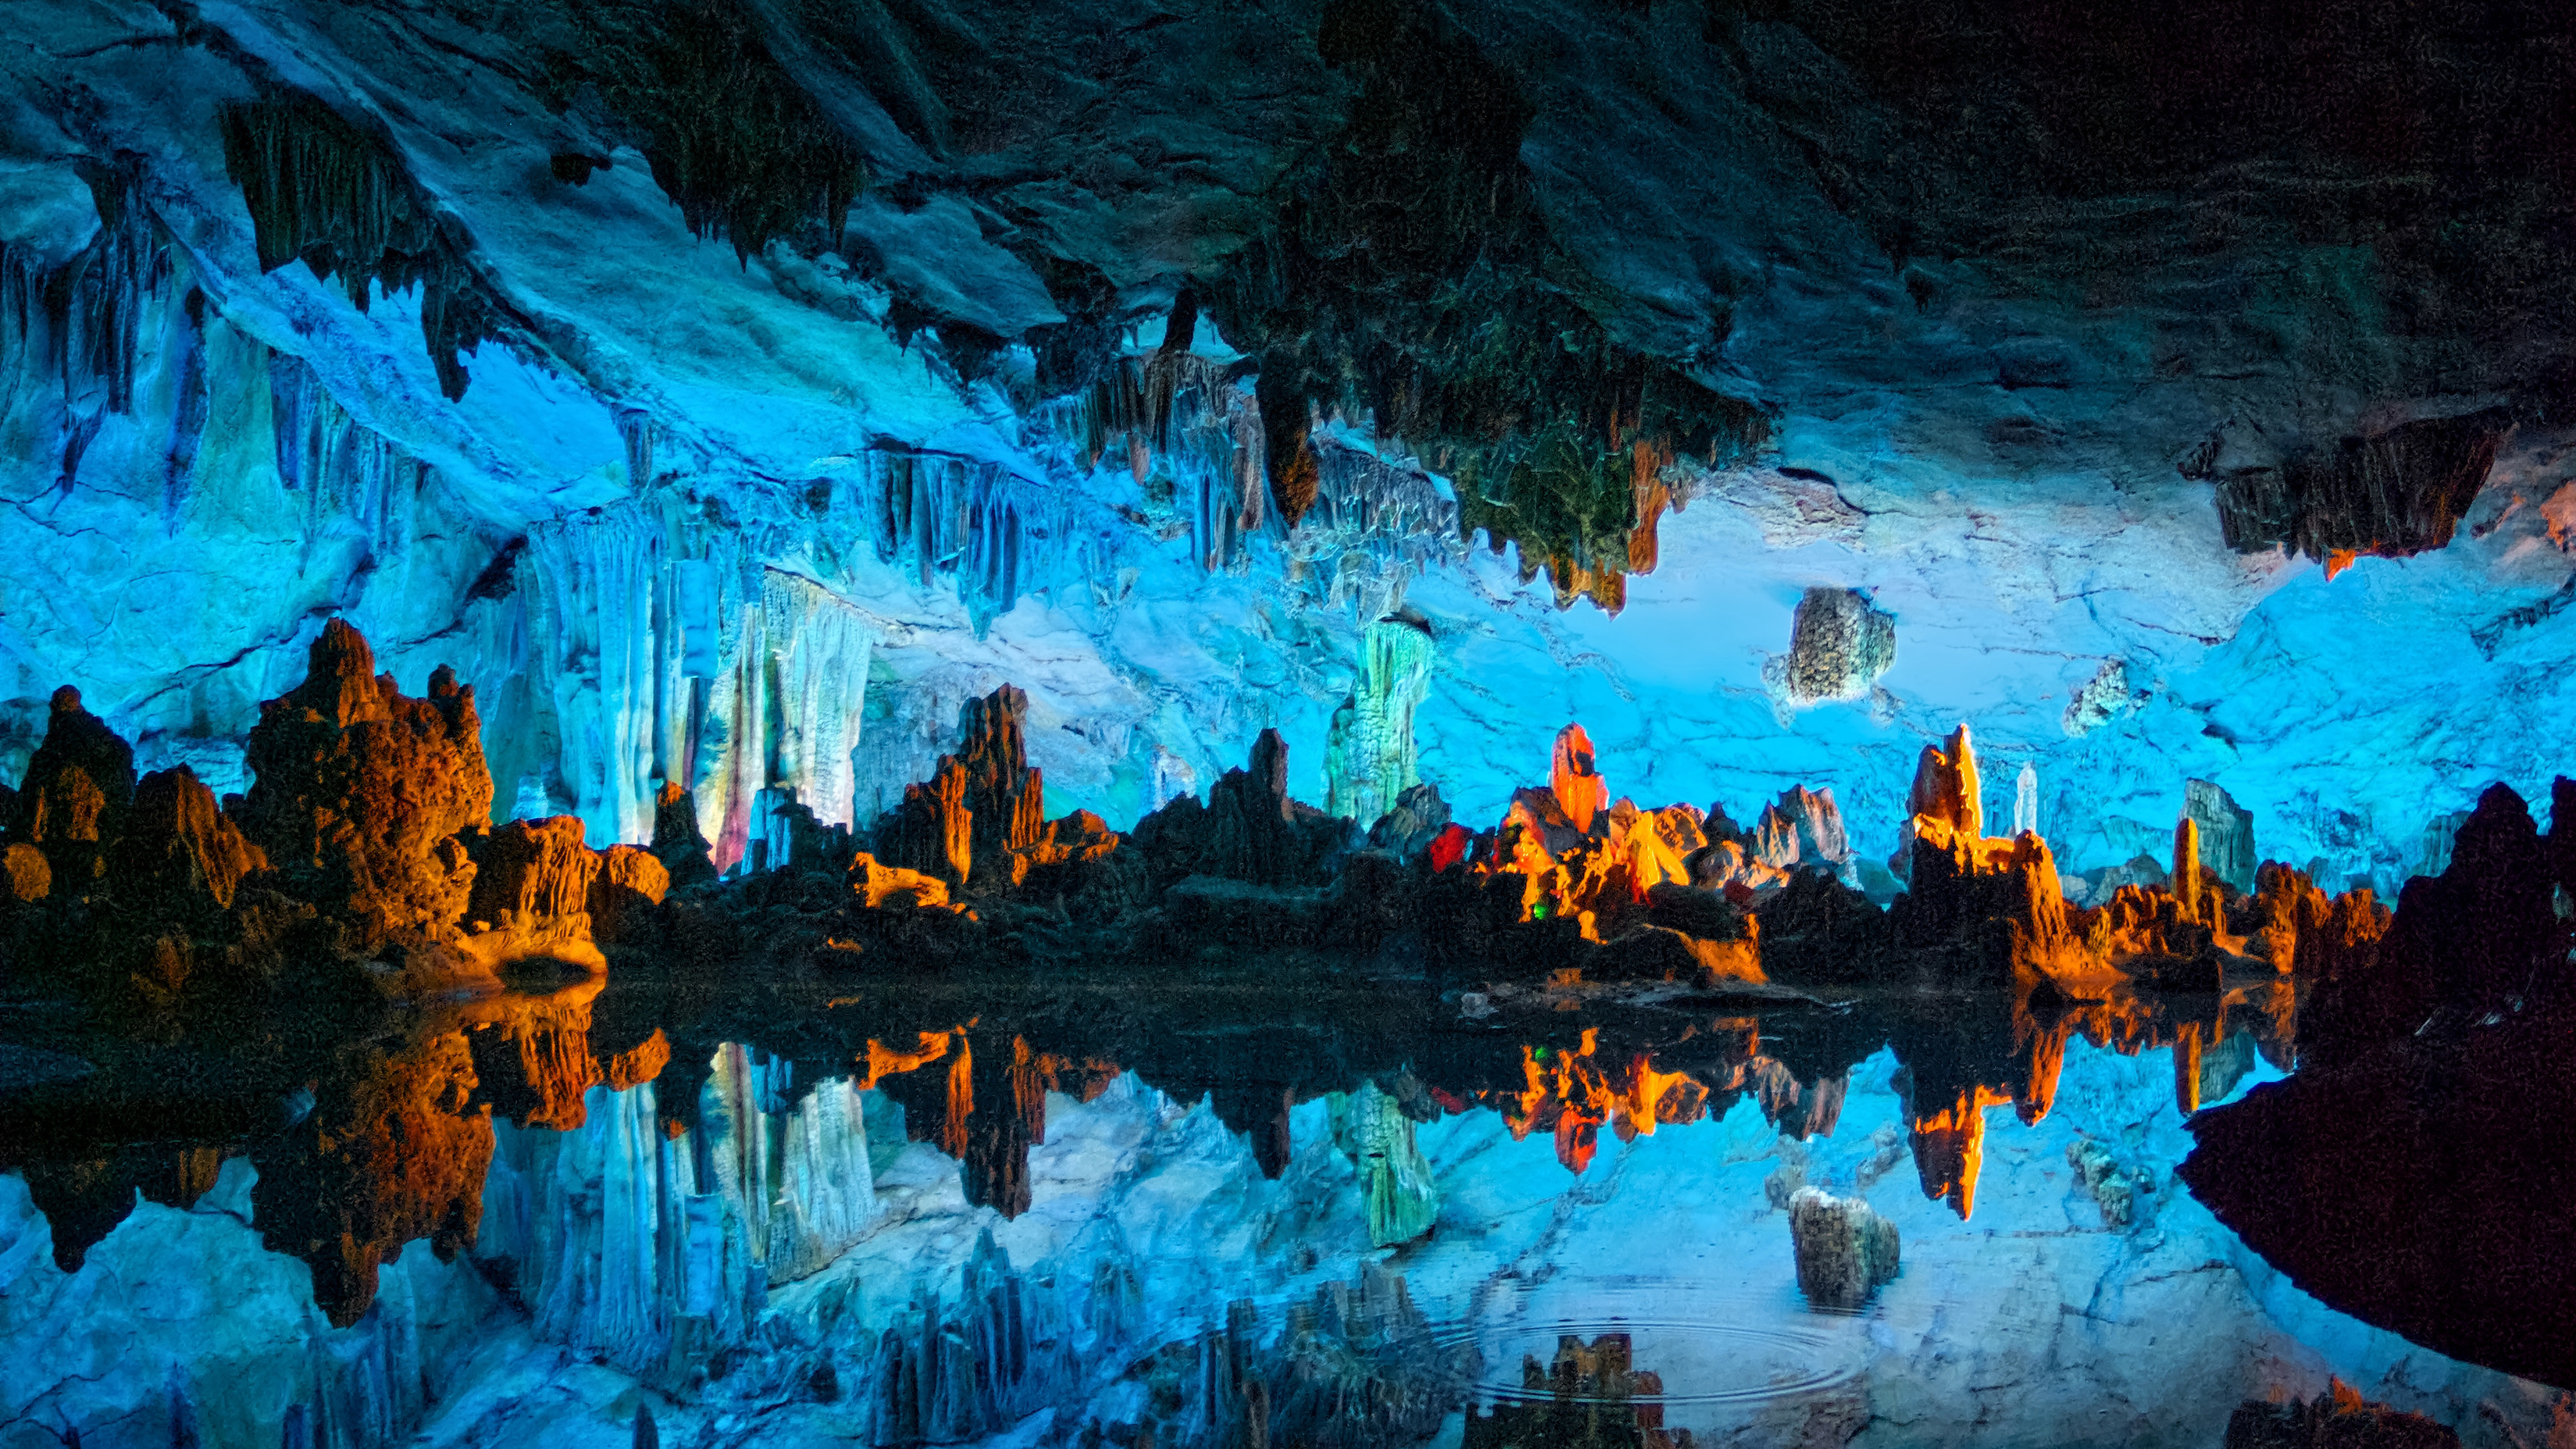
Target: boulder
x=624, y=894
x=1838, y=646
x=25, y=875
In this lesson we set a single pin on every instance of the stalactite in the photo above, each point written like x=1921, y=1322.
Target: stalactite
x=1374, y=528
x=345, y=476
x=324, y=190
x=1001, y=536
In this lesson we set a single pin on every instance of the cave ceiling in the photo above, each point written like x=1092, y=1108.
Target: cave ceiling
x=2086, y=342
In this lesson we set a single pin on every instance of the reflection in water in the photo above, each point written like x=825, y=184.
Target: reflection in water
x=925, y=1217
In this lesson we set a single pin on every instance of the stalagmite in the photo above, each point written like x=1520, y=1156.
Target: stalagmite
x=1370, y=756
x=2226, y=833
x=1401, y=1195
x=359, y=791
x=1579, y=789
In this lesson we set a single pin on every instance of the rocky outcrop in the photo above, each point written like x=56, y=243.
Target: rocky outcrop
x=1838, y=646
x=77, y=788
x=1409, y=827
x=180, y=857
x=624, y=894
x=933, y=830
x=1844, y=1248
x=2389, y=494
x=880, y=886
x=2418, y=1182
x=677, y=842
x=2339, y=1418
x=1995, y=906
x=1249, y=830
x=1004, y=798
x=359, y=792
x=532, y=888
x=2226, y=833
x=2468, y=942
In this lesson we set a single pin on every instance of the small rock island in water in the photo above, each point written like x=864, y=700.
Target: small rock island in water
x=763, y=723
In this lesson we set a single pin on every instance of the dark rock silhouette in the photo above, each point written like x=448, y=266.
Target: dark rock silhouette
x=2335, y=1419
x=180, y=857
x=75, y=794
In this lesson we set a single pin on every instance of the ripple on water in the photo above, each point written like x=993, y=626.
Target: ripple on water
x=1708, y=1345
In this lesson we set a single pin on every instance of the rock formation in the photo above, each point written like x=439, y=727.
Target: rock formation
x=180, y=858
x=2391, y=494
x=1586, y=1396
x=532, y=892
x=677, y=842
x=1249, y=830
x=1845, y=1249
x=1576, y=786
x=75, y=794
x=2226, y=833
x=631, y=882
x=2339, y=1418
x=1838, y=646
x=2476, y=938
x=359, y=791
x=1370, y=759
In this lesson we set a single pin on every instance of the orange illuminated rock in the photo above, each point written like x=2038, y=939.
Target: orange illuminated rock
x=1950, y=1146
x=934, y=829
x=391, y=1152
x=1005, y=798
x=1579, y=789
x=1996, y=904
x=180, y=856
x=878, y=887
x=25, y=875
x=532, y=889
x=360, y=790
x=2339, y=1417
x=1946, y=788
x=1053, y=861
x=73, y=799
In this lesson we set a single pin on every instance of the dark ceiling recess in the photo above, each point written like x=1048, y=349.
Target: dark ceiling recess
x=1410, y=272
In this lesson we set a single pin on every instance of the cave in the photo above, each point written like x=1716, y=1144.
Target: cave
x=1354, y=723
